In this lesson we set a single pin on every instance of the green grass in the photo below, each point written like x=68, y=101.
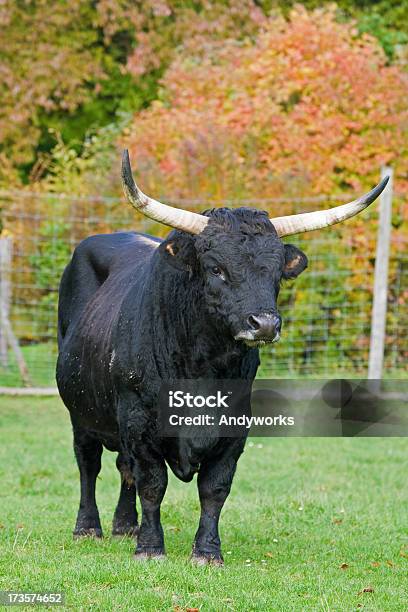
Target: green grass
x=298, y=510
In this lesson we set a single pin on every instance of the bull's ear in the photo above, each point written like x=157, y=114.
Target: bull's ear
x=295, y=261
x=179, y=251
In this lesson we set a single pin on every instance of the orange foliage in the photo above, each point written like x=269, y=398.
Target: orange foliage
x=307, y=107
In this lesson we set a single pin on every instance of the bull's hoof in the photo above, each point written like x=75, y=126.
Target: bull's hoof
x=124, y=526
x=152, y=553
x=90, y=532
x=121, y=531
x=201, y=559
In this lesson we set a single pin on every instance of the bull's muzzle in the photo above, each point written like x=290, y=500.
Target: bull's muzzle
x=262, y=328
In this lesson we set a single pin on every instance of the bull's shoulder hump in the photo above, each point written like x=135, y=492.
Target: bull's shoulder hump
x=97, y=256
x=146, y=239
x=117, y=240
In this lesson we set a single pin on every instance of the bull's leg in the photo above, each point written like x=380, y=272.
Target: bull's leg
x=88, y=452
x=151, y=486
x=214, y=484
x=125, y=517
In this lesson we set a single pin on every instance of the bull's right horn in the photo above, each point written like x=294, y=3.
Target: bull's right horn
x=184, y=220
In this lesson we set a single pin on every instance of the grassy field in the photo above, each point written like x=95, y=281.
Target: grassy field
x=309, y=525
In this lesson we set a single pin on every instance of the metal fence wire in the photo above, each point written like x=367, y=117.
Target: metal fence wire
x=326, y=312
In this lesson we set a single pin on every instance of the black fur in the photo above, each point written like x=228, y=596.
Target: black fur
x=135, y=311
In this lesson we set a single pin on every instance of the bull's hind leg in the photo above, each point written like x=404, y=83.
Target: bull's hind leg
x=125, y=517
x=88, y=452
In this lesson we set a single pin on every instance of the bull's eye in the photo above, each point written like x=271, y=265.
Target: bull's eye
x=216, y=270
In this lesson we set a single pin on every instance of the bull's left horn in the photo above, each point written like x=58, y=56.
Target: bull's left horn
x=305, y=222
x=184, y=220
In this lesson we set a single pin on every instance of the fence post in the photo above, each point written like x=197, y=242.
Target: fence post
x=6, y=247
x=7, y=337
x=380, y=292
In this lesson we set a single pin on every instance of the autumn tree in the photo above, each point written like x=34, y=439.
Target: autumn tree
x=308, y=106
x=70, y=68
x=63, y=71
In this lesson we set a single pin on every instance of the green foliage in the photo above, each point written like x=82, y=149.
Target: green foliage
x=64, y=68
x=52, y=253
x=48, y=264
x=376, y=25
x=92, y=170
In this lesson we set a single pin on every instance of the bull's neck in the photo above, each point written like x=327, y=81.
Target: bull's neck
x=184, y=335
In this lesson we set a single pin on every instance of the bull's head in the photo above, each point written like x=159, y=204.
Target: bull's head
x=238, y=255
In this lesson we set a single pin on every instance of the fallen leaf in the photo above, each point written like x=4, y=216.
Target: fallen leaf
x=403, y=553
x=173, y=528
x=337, y=521
x=360, y=605
x=390, y=563
x=269, y=554
x=158, y=589
x=19, y=526
x=375, y=564
x=368, y=589
x=344, y=566
x=192, y=610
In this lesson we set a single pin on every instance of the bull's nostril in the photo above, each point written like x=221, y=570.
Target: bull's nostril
x=253, y=322
x=278, y=323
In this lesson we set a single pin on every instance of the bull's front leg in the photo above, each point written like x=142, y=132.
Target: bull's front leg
x=214, y=484
x=151, y=479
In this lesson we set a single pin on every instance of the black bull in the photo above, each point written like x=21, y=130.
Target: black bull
x=135, y=311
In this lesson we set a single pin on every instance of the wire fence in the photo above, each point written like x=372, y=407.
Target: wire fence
x=326, y=312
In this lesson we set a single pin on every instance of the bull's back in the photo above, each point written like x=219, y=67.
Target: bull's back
x=94, y=260
x=91, y=291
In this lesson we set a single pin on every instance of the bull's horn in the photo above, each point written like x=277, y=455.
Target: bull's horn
x=184, y=220
x=305, y=222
